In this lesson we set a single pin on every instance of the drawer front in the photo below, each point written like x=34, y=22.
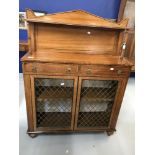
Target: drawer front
x=70, y=69
x=48, y=68
x=99, y=70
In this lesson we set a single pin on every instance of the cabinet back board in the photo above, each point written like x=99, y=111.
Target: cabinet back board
x=79, y=39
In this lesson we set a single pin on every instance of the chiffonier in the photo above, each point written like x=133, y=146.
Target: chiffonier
x=75, y=73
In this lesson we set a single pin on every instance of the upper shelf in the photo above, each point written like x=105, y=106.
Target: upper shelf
x=76, y=18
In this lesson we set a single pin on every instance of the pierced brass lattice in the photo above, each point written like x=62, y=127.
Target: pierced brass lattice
x=97, y=98
x=53, y=102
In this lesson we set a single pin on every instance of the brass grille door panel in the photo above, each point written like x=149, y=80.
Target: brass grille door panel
x=54, y=99
x=96, y=100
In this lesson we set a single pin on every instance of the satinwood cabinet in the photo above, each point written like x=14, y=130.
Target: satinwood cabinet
x=75, y=73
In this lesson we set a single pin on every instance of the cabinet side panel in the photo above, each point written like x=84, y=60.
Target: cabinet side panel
x=27, y=84
x=117, y=107
x=119, y=43
x=31, y=37
x=82, y=40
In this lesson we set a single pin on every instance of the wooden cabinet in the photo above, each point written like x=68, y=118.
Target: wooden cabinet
x=74, y=73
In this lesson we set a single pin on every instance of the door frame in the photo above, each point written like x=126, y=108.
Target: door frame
x=75, y=80
x=120, y=82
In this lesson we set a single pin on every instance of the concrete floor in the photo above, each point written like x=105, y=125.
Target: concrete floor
x=120, y=143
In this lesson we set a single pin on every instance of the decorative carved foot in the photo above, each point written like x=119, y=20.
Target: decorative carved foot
x=109, y=133
x=32, y=135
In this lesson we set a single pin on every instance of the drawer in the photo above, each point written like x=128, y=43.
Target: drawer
x=48, y=68
x=97, y=70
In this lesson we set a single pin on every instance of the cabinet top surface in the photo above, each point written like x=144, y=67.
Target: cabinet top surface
x=76, y=18
x=75, y=58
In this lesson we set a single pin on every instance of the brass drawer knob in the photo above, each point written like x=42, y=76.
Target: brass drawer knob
x=34, y=68
x=119, y=71
x=68, y=70
x=88, y=71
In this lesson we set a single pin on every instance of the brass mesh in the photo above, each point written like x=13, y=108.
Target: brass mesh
x=97, y=98
x=53, y=102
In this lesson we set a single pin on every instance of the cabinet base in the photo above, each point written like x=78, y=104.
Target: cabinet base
x=36, y=133
x=109, y=133
x=33, y=135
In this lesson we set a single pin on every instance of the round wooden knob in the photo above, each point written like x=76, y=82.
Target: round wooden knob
x=119, y=71
x=68, y=70
x=88, y=71
x=34, y=69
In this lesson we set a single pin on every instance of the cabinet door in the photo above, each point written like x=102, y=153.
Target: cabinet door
x=95, y=102
x=53, y=101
